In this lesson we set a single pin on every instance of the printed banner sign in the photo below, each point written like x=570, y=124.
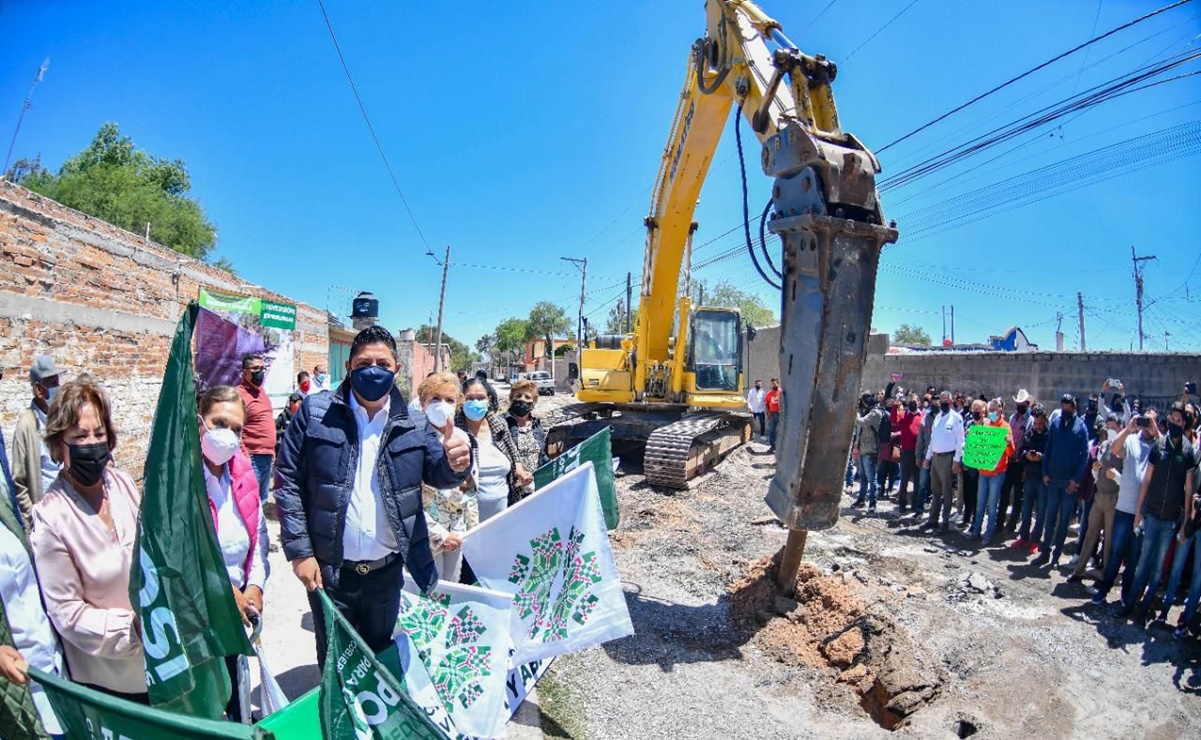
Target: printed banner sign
x=87, y=714
x=230, y=327
x=460, y=635
x=551, y=552
x=598, y=450
x=984, y=446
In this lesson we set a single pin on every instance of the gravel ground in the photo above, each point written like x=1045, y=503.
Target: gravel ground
x=1010, y=650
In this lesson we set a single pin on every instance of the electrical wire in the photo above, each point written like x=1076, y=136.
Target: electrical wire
x=1031, y=71
x=371, y=128
x=816, y=18
x=879, y=30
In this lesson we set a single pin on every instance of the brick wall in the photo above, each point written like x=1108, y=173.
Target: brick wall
x=103, y=300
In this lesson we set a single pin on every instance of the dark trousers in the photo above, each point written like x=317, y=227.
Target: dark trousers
x=761, y=418
x=142, y=698
x=369, y=602
x=908, y=475
x=233, y=709
x=1011, y=491
x=1127, y=548
x=971, y=484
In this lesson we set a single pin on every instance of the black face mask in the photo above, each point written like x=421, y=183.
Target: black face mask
x=1175, y=430
x=88, y=462
x=1023, y=408
x=521, y=409
x=257, y=377
x=1068, y=415
x=912, y=406
x=978, y=414
x=945, y=406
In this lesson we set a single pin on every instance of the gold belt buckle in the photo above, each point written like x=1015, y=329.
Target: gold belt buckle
x=362, y=569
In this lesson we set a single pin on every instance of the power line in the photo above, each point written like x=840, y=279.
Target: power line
x=816, y=18
x=1031, y=71
x=371, y=128
x=879, y=30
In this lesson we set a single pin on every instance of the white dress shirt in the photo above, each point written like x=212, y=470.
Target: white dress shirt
x=367, y=534
x=946, y=435
x=755, y=399
x=32, y=634
x=232, y=535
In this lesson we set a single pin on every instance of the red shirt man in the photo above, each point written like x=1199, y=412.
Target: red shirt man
x=258, y=435
x=771, y=402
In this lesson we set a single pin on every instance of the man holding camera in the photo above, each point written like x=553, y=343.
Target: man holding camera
x=1134, y=445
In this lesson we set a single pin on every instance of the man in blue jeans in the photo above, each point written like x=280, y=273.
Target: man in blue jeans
x=1064, y=463
x=867, y=426
x=1134, y=445
x=258, y=434
x=1034, y=441
x=1164, y=502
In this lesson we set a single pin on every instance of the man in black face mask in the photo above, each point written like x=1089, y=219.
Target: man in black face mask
x=348, y=487
x=258, y=435
x=944, y=456
x=1064, y=463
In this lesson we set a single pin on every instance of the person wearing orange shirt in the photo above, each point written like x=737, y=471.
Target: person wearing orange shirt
x=772, y=403
x=988, y=498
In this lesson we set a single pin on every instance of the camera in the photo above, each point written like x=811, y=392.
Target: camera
x=1143, y=421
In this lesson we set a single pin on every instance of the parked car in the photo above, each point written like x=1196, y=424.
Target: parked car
x=545, y=383
x=513, y=378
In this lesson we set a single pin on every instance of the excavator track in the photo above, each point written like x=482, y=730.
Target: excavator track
x=682, y=450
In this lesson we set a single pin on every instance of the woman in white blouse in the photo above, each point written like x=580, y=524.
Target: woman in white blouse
x=233, y=494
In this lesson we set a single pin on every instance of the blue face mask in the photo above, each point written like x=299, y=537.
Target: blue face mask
x=372, y=382
x=475, y=409
x=993, y=415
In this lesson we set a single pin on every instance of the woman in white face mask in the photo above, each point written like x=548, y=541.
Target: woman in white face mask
x=233, y=493
x=449, y=512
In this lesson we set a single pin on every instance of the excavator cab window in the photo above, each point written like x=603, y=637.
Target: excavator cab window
x=716, y=349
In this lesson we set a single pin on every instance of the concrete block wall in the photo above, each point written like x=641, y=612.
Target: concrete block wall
x=103, y=300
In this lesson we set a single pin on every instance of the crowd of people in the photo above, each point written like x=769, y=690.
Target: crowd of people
x=369, y=490
x=1125, y=475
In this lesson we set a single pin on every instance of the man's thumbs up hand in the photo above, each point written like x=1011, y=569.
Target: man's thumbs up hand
x=458, y=449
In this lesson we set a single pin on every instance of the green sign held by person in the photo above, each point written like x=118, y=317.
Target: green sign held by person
x=984, y=446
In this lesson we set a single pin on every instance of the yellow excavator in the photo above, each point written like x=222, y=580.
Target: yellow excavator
x=681, y=394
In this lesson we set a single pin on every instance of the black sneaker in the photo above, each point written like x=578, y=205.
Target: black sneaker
x=1042, y=559
x=858, y=504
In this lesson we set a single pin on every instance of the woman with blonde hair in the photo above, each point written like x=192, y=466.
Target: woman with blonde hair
x=84, y=529
x=449, y=512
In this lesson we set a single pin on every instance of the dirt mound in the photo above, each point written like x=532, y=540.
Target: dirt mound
x=826, y=626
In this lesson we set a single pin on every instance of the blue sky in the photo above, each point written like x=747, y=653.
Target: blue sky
x=523, y=133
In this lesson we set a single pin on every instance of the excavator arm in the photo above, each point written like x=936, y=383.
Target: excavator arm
x=826, y=210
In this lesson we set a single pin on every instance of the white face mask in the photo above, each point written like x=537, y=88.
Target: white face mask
x=219, y=445
x=440, y=412
x=51, y=392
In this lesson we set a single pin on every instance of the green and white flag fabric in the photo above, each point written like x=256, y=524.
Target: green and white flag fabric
x=361, y=699
x=598, y=450
x=460, y=638
x=551, y=552
x=87, y=714
x=178, y=582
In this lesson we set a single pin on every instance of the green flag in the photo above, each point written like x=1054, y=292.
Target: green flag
x=178, y=581
x=360, y=698
x=90, y=715
x=598, y=450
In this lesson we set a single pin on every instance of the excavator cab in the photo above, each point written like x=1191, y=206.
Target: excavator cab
x=715, y=353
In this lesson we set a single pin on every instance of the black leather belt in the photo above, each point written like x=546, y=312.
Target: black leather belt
x=943, y=454
x=363, y=567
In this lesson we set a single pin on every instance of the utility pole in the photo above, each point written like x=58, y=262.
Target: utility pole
x=629, y=297
x=1138, y=290
x=944, y=325
x=952, y=324
x=28, y=102
x=1080, y=311
x=441, y=301
x=1166, y=334
x=582, y=264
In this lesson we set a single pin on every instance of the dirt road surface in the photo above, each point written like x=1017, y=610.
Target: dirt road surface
x=893, y=633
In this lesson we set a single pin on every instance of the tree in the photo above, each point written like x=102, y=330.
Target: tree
x=486, y=346
x=751, y=306
x=563, y=350
x=461, y=356
x=114, y=181
x=511, y=337
x=616, y=322
x=910, y=335
x=224, y=263
x=546, y=320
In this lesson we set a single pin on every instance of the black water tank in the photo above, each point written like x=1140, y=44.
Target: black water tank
x=365, y=308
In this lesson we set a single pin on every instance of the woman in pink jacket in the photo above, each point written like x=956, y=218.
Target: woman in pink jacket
x=84, y=529
x=233, y=494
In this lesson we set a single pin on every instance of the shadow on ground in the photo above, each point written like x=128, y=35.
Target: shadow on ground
x=667, y=634
x=1155, y=639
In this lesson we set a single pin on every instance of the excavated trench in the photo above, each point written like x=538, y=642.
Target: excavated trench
x=826, y=626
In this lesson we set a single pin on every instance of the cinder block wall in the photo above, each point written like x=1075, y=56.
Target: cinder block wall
x=103, y=300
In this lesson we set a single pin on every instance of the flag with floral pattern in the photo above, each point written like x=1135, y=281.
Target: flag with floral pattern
x=551, y=552
x=460, y=634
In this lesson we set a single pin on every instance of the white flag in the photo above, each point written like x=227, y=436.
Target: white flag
x=551, y=552
x=461, y=636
